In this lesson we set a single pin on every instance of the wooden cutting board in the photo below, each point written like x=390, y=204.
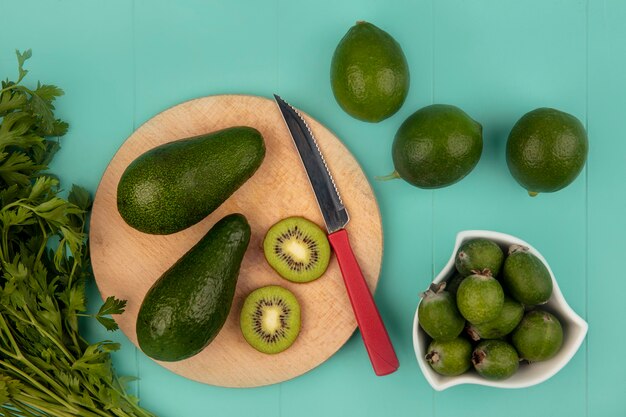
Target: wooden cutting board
x=127, y=262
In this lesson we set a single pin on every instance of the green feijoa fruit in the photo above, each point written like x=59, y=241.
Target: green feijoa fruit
x=480, y=298
x=369, y=73
x=495, y=359
x=509, y=317
x=438, y=315
x=479, y=255
x=525, y=277
x=452, y=285
x=450, y=358
x=538, y=337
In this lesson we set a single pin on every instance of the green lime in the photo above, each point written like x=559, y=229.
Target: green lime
x=546, y=150
x=436, y=146
x=369, y=74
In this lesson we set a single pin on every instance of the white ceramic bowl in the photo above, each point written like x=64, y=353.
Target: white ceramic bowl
x=574, y=329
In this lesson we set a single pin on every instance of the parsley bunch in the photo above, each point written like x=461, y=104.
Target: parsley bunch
x=46, y=367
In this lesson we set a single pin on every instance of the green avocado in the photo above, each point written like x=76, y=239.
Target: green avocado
x=187, y=306
x=369, y=73
x=175, y=185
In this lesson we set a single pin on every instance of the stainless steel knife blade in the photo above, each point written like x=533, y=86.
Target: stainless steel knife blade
x=375, y=336
x=328, y=198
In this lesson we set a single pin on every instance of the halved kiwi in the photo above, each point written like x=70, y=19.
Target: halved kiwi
x=270, y=319
x=297, y=249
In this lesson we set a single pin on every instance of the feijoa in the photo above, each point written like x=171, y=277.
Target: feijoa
x=495, y=359
x=477, y=255
x=538, y=337
x=452, y=285
x=480, y=298
x=509, y=317
x=451, y=357
x=438, y=314
x=525, y=277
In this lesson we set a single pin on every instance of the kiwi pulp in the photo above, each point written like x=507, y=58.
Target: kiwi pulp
x=297, y=249
x=270, y=319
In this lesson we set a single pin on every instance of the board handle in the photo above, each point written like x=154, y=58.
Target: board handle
x=375, y=337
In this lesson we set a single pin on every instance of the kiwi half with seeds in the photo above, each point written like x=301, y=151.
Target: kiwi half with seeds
x=297, y=249
x=270, y=319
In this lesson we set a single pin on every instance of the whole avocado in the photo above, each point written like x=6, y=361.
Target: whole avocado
x=187, y=306
x=369, y=73
x=175, y=185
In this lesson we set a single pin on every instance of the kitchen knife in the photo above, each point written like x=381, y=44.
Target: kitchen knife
x=375, y=337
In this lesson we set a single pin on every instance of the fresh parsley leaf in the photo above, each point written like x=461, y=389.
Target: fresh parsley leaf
x=21, y=59
x=108, y=323
x=46, y=367
x=16, y=168
x=112, y=306
x=80, y=197
x=11, y=100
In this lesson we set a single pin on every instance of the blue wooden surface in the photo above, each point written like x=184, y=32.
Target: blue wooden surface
x=122, y=61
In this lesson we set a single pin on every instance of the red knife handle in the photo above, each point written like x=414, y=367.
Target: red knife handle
x=375, y=337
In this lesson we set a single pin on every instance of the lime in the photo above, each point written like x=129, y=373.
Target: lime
x=546, y=150
x=369, y=74
x=436, y=146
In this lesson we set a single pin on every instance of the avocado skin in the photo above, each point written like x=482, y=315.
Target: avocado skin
x=187, y=306
x=175, y=185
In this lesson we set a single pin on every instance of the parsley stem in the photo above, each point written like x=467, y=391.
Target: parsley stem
x=46, y=407
x=5, y=244
x=43, y=331
x=10, y=335
x=11, y=87
x=37, y=408
x=44, y=239
x=27, y=378
x=23, y=411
